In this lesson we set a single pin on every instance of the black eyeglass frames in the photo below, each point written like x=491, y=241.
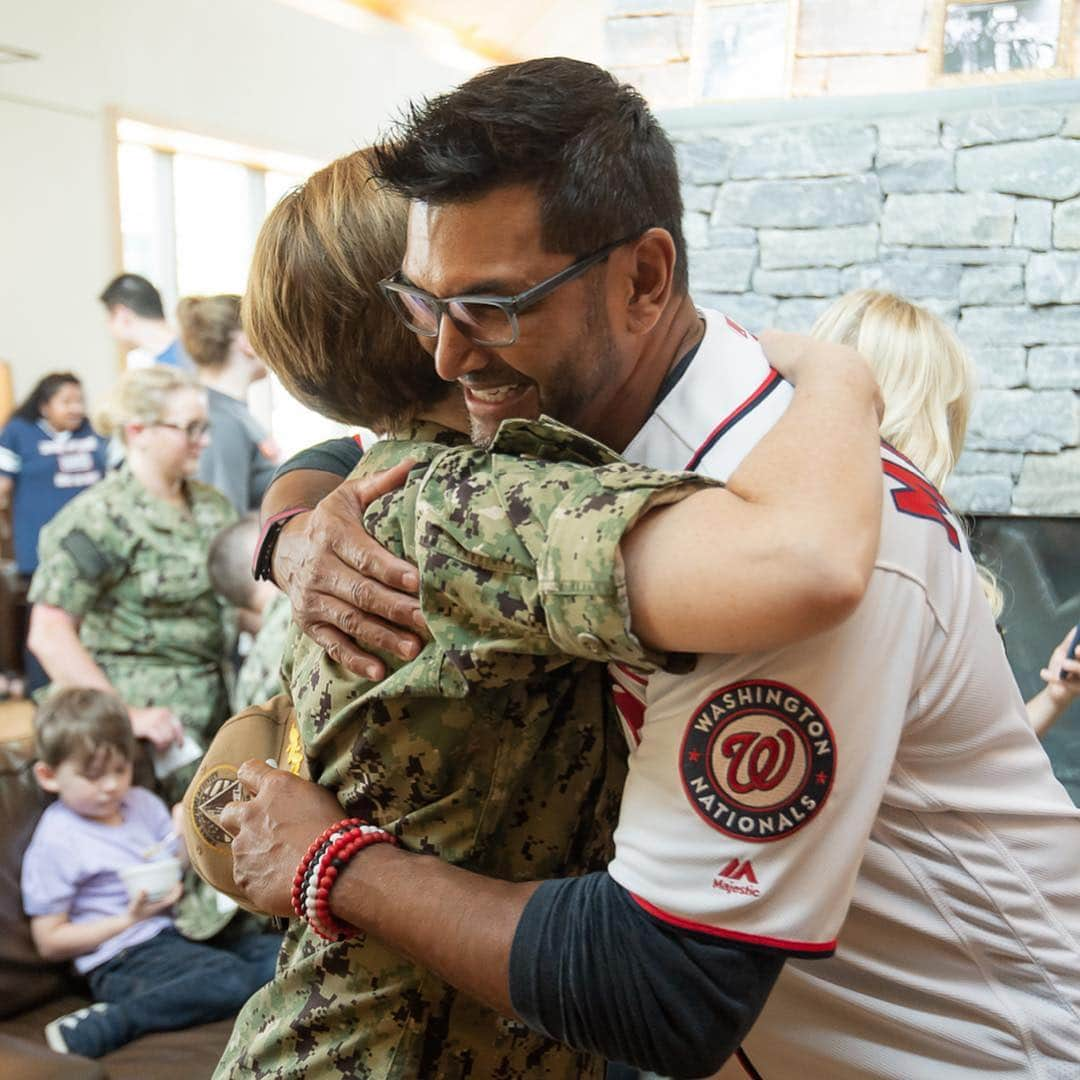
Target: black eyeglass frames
x=193, y=432
x=484, y=320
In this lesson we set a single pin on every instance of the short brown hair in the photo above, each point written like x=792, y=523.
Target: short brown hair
x=81, y=723
x=229, y=560
x=313, y=310
x=208, y=325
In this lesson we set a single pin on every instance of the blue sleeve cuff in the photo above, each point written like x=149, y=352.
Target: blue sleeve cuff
x=590, y=968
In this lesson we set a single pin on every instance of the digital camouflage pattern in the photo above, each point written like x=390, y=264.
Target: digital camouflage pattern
x=492, y=749
x=259, y=677
x=132, y=569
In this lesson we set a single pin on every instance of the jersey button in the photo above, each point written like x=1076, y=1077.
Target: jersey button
x=589, y=642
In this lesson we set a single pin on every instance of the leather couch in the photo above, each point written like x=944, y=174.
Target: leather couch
x=33, y=992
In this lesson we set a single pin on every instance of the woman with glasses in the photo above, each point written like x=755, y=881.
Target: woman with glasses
x=122, y=599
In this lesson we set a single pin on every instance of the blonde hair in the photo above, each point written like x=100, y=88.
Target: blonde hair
x=313, y=309
x=927, y=380
x=926, y=377
x=141, y=396
x=208, y=325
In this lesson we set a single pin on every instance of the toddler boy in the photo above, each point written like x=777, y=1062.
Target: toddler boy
x=143, y=975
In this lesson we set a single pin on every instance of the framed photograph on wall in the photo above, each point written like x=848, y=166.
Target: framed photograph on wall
x=743, y=49
x=979, y=41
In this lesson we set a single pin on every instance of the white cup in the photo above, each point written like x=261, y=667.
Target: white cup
x=153, y=878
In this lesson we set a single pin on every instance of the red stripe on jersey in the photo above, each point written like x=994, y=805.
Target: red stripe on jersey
x=768, y=385
x=632, y=675
x=799, y=948
x=631, y=711
x=740, y=330
x=359, y=442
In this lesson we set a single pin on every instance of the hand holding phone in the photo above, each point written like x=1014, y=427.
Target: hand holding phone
x=1071, y=652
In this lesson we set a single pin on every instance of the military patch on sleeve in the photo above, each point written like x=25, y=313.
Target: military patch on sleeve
x=90, y=560
x=757, y=760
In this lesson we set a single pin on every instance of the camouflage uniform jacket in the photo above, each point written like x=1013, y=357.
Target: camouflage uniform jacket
x=492, y=749
x=259, y=677
x=132, y=569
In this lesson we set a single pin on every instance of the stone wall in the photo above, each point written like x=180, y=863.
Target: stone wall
x=974, y=213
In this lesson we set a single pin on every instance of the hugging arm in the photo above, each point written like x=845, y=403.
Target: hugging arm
x=787, y=548
x=343, y=586
x=784, y=552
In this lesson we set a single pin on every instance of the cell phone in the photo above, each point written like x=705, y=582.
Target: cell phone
x=1071, y=654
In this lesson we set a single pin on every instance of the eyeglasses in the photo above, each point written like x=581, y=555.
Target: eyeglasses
x=484, y=320
x=193, y=431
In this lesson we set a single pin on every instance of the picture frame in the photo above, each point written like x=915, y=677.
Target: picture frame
x=743, y=49
x=1001, y=41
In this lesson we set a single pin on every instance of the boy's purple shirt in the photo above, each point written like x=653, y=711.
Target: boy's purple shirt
x=72, y=862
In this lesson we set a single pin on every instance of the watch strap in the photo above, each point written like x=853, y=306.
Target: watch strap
x=261, y=563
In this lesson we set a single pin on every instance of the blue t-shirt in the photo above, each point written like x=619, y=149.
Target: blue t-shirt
x=175, y=356
x=71, y=864
x=49, y=469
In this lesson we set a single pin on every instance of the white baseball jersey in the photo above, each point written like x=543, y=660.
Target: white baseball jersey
x=872, y=798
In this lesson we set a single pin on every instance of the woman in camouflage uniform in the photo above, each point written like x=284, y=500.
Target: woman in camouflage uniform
x=122, y=600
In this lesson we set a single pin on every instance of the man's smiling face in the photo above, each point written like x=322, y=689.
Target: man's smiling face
x=564, y=362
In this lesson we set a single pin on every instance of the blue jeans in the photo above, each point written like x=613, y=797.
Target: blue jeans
x=169, y=982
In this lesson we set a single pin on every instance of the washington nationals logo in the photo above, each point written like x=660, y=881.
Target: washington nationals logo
x=757, y=760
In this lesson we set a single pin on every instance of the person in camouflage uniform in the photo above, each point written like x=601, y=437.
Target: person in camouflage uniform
x=122, y=597
x=259, y=677
x=474, y=751
x=510, y=766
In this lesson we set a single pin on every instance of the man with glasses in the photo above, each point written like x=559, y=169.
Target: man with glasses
x=856, y=774
x=489, y=321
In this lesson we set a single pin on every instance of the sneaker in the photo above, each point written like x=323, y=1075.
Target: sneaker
x=91, y=1032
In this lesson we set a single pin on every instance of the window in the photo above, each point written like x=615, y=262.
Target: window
x=743, y=48
x=190, y=209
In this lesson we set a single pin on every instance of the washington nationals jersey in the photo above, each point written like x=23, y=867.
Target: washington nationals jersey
x=880, y=778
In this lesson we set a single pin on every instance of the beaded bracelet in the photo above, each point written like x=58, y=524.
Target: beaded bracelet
x=331, y=862
x=311, y=879
x=326, y=857
x=304, y=869
x=318, y=865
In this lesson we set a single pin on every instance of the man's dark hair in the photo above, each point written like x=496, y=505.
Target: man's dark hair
x=48, y=386
x=602, y=165
x=135, y=292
